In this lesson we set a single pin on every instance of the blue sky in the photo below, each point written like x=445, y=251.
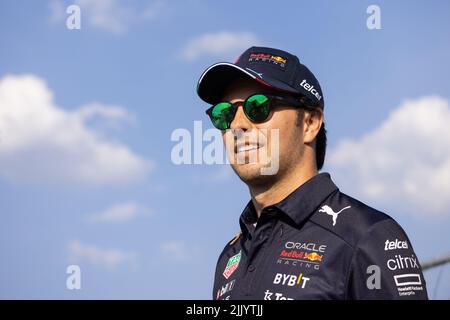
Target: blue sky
x=86, y=175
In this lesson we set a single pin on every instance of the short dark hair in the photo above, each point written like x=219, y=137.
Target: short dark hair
x=321, y=146
x=321, y=138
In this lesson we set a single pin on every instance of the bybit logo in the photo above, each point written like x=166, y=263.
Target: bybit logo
x=291, y=280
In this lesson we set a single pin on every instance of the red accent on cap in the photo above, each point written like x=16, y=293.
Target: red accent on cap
x=237, y=60
x=263, y=82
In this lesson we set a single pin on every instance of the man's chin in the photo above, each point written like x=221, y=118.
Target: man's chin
x=251, y=173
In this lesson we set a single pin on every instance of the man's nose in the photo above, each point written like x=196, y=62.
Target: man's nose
x=240, y=120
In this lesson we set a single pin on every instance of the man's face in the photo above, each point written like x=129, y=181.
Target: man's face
x=289, y=142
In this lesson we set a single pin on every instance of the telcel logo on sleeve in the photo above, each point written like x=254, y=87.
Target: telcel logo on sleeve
x=394, y=245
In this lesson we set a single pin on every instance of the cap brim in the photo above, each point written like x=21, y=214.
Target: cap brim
x=219, y=76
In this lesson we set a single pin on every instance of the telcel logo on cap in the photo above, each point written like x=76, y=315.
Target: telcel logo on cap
x=311, y=89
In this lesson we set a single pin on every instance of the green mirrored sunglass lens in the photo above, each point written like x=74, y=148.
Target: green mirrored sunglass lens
x=257, y=107
x=222, y=115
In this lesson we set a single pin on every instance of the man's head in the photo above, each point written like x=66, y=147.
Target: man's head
x=295, y=141
x=296, y=114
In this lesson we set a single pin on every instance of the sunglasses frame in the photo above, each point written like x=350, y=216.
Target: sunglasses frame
x=288, y=99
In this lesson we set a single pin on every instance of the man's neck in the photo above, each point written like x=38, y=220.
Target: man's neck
x=263, y=196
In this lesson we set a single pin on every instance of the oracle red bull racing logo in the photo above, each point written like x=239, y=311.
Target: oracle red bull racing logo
x=313, y=256
x=270, y=58
x=308, y=255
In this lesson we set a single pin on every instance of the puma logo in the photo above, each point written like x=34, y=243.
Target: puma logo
x=330, y=212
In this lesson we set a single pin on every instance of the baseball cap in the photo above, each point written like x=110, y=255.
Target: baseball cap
x=272, y=67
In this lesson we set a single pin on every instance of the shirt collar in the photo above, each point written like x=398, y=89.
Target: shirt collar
x=298, y=205
x=248, y=218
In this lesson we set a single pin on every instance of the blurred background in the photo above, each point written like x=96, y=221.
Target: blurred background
x=87, y=115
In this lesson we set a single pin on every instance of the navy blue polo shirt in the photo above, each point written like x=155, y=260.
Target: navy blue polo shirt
x=318, y=243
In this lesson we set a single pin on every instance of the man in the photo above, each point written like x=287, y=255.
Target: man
x=301, y=238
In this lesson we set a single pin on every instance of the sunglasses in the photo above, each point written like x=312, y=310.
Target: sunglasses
x=257, y=109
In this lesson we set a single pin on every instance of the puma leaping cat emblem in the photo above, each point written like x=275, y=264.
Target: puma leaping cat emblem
x=330, y=212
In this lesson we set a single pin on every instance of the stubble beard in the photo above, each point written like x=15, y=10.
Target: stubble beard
x=250, y=173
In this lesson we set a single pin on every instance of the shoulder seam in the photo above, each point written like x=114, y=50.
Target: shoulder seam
x=331, y=231
x=236, y=238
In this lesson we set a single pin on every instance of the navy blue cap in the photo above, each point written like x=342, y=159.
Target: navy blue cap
x=272, y=67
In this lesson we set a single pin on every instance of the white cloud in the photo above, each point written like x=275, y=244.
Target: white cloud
x=41, y=142
x=110, y=15
x=109, y=117
x=110, y=259
x=107, y=112
x=179, y=251
x=224, y=43
x=119, y=212
x=405, y=162
x=57, y=10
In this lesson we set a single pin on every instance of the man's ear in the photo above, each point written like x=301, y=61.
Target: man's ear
x=312, y=121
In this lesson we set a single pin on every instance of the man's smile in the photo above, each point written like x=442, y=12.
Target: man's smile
x=244, y=149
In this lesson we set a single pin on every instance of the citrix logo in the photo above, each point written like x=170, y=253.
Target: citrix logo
x=311, y=89
x=400, y=262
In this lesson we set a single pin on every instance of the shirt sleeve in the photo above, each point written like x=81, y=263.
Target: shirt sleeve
x=384, y=266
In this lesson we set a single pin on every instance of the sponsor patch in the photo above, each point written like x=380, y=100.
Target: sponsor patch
x=400, y=262
x=225, y=289
x=268, y=295
x=407, y=279
x=291, y=280
x=395, y=245
x=302, y=254
x=232, y=265
x=268, y=58
x=310, y=88
x=408, y=284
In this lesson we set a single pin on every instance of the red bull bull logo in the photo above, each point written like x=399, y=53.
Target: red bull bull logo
x=279, y=59
x=301, y=258
x=313, y=256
